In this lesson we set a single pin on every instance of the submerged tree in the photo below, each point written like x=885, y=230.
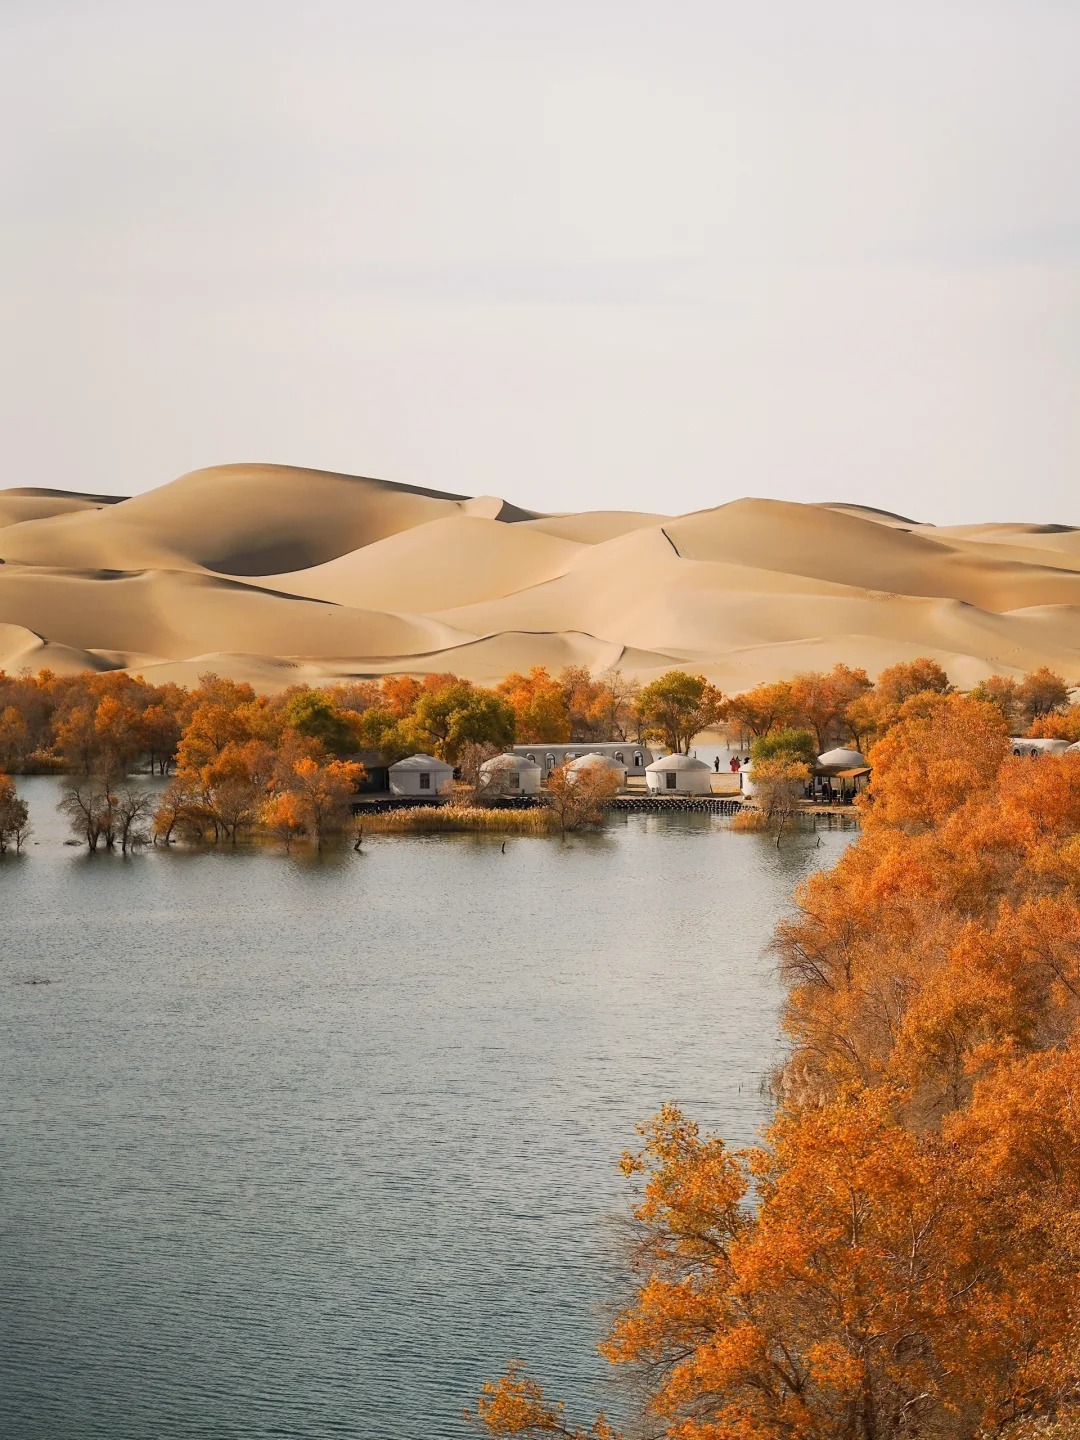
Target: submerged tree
x=779, y=785
x=323, y=794
x=579, y=797
x=131, y=808
x=14, y=817
x=90, y=807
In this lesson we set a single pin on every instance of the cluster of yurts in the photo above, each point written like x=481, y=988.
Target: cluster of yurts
x=522, y=774
x=515, y=773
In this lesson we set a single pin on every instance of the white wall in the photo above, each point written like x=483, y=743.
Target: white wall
x=501, y=779
x=687, y=782
x=407, y=782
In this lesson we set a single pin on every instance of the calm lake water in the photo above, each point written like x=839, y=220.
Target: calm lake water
x=308, y=1148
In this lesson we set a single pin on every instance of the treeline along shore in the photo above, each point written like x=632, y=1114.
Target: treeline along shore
x=237, y=763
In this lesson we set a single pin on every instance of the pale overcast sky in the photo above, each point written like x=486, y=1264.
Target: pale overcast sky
x=579, y=253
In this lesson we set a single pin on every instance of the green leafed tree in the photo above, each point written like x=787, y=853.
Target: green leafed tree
x=676, y=707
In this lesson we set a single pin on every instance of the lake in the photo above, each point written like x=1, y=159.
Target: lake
x=301, y=1147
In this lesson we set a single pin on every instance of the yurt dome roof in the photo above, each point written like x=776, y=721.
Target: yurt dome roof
x=841, y=759
x=585, y=762
x=1074, y=746
x=421, y=762
x=509, y=762
x=675, y=762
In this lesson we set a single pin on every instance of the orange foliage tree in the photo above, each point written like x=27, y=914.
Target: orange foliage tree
x=540, y=707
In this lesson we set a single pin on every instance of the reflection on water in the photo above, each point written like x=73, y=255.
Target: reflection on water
x=309, y=1147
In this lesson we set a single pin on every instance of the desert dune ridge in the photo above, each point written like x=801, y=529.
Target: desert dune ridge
x=278, y=575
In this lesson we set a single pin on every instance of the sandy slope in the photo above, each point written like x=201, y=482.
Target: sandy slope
x=276, y=574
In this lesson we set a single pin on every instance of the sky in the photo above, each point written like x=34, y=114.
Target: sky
x=577, y=253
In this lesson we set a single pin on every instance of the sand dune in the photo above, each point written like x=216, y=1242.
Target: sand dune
x=275, y=574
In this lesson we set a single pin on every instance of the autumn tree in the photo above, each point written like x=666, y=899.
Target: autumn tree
x=539, y=703
x=678, y=706
x=14, y=817
x=580, y=797
x=906, y=678
x=779, y=786
x=77, y=740
x=234, y=785
x=1041, y=692
x=14, y=747
x=476, y=784
x=614, y=707
x=933, y=758
x=180, y=806
x=323, y=794
x=399, y=694
x=763, y=708
x=1057, y=725
x=795, y=745
x=819, y=702
x=581, y=695
x=449, y=717
x=355, y=696
x=159, y=731
x=1003, y=692
x=282, y=816
x=870, y=715
x=313, y=714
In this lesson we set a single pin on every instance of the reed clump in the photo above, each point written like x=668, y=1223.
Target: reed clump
x=748, y=819
x=460, y=819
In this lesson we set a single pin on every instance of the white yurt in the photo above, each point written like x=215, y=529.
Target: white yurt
x=421, y=775
x=679, y=775
x=841, y=760
x=746, y=781
x=510, y=775
x=593, y=761
x=1022, y=745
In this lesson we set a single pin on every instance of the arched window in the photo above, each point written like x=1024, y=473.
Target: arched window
x=531, y=759
x=620, y=757
x=571, y=755
x=549, y=761
x=639, y=759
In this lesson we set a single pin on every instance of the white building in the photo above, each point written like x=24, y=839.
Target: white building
x=841, y=760
x=421, y=775
x=1021, y=745
x=840, y=775
x=510, y=775
x=746, y=781
x=635, y=757
x=593, y=760
x=679, y=775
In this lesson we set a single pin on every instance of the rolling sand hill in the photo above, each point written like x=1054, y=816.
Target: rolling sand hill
x=276, y=574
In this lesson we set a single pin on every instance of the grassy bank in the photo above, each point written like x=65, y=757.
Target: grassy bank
x=458, y=819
